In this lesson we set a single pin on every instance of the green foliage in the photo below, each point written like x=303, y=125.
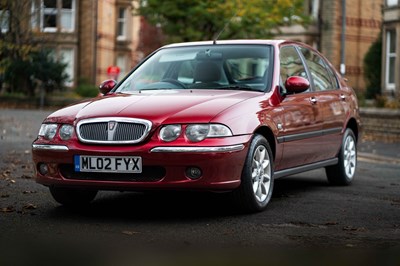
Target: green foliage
x=193, y=20
x=86, y=90
x=372, y=69
x=37, y=68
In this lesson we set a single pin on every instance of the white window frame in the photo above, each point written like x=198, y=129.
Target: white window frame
x=390, y=3
x=58, y=12
x=70, y=68
x=390, y=55
x=48, y=11
x=72, y=11
x=124, y=22
x=121, y=62
x=4, y=20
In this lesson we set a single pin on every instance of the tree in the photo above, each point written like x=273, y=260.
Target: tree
x=193, y=20
x=23, y=62
x=372, y=69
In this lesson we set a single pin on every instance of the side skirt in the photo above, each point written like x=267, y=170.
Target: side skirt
x=305, y=168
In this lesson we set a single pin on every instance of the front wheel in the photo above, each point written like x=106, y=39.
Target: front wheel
x=257, y=180
x=343, y=172
x=72, y=196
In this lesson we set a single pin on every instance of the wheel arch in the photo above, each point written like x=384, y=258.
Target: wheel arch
x=352, y=124
x=267, y=133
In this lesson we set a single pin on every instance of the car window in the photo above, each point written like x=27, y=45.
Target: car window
x=320, y=75
x=291, y=64
x=225, y=67
x=334, y=79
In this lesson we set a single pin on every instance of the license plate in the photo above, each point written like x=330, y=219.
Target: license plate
x=114, y=164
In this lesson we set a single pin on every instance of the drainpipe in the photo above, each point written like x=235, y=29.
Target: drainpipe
x=94, y=66
x=343, y=40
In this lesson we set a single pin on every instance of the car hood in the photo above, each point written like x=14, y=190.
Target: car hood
x=161, y=106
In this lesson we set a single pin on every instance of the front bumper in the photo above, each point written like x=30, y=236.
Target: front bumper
x=164, y=167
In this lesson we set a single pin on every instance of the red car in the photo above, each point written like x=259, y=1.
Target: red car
x=213, y=116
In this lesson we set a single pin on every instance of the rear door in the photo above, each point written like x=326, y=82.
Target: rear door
x=332, y=101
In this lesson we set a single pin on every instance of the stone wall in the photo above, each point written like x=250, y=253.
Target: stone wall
x=381, y=124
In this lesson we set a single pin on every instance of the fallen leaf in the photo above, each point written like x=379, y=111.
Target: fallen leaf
x=29, y=192
x=130, y=233
x=331, y=223
x=29, y=206
x=7, y=209
x=354, y=229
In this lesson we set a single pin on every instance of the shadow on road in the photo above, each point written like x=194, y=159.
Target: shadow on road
x=178, y=206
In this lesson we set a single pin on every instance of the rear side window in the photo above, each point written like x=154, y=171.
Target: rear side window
x=322, y=78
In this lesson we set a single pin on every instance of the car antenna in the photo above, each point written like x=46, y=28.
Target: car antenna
x=223, y=29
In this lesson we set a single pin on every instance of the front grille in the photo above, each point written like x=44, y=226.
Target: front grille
x=149, y=174
x=113, y=130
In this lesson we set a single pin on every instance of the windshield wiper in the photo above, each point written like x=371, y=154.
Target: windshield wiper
x=238, y=87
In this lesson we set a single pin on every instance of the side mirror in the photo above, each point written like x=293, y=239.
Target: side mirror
x=107, y=85
x=296, y=84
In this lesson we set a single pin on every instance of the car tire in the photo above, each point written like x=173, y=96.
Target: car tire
x=343, y=172
x=257, y=182
x=72, y=196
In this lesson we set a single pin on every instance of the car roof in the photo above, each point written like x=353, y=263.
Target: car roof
x=249, y=41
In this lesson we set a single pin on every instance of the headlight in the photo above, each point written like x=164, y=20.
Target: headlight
x=217, y=130
x=48, y=131
x=66, y=132
x=170, y=132
x=196, y=133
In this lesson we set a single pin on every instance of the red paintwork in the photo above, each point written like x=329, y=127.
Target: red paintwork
x=244, y=112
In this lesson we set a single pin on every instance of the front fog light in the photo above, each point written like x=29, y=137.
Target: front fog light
x=66, y=132
x=43, y=169
x=193, y=172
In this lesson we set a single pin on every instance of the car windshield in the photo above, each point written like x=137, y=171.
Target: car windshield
x=225, y=67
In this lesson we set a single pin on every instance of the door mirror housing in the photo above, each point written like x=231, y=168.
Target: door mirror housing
x=296, y=84
x=106, y=86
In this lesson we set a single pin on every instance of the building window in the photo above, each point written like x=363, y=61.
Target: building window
x=56, y=15
x=121, y=63
x=4, y=20
x=392, y=2
x=67, y=15
x=67, y=56
x=122, y=23
x=49, y=15
x=390, y=59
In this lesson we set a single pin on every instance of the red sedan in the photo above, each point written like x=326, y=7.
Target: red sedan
x=214, y=116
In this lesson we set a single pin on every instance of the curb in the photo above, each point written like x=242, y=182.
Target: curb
x=369, y=157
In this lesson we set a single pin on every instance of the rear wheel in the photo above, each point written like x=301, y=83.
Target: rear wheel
x=72, y=196
x=343, y=172
x=257, y=181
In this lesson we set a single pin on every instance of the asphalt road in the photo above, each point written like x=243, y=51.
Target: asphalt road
x=305, y=214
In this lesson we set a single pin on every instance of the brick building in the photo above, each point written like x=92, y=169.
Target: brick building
x=88, y=35
x=363, y=21
x=91, y=35
x=391, y=48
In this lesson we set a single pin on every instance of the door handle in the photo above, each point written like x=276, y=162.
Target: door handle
x=313, y=100
x=342, y=97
